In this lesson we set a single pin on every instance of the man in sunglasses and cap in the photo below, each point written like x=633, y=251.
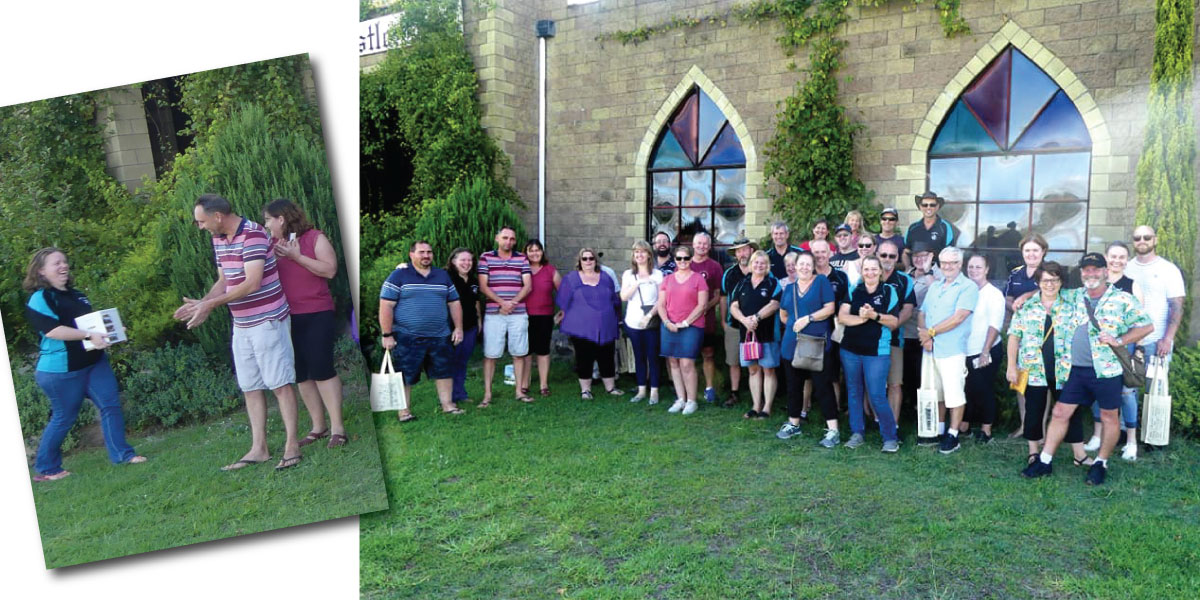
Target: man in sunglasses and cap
x=932, y=229
x=1101, y=318
x=889, y=220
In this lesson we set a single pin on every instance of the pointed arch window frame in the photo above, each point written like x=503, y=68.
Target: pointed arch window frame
x=698, y=165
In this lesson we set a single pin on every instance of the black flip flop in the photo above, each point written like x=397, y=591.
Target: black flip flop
x=230, y=467
x=281, y=466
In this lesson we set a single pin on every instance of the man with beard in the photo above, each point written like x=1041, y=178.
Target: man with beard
x=1103, y=317
x=780, y=247
x=505, y=278
x=416, y=306
x=263, y=358
x=712, y=273
x=933, y=230
x=847, y=250
x=741, y=249
x=888, y=253
x=662, y=253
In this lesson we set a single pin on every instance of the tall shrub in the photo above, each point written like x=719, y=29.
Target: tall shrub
x=1166, y=171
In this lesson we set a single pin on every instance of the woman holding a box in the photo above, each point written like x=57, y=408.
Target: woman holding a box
x=306, y=261
x=66, y=371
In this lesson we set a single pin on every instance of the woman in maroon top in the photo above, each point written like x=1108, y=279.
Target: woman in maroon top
x=306, y=261
x=539, y=304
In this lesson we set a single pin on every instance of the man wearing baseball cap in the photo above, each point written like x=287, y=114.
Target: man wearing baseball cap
x=889, y=219
x=1101, y=317
x=931, y=229
x=847, y=250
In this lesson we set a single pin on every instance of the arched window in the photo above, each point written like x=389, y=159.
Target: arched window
x=697, y=174
x=1013, y=156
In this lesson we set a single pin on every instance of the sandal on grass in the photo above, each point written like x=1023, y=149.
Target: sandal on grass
x=486, y=402
x=136, y=460
x=406, y=418
x=1086, y=461
x=54, y=477
x=586, y=396
x=1032, y=457
x=750, y=414
x=242, y=464
x=762, y=415
x=288, y=462
x=336, y=440
x=313, y=436
x=454, y=411
x=615, y=392
x=545, y=392
x=525, y=399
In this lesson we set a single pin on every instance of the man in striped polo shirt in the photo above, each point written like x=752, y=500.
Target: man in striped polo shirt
x=504, y=280
x=416, y=308
x=262, y=342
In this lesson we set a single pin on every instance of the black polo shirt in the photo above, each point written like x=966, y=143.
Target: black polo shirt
x=778, y=269
x=906, y=291
x=752, y=298
x=942, y=234
x=871, y=338
x=1019, y=283
x=841, y=287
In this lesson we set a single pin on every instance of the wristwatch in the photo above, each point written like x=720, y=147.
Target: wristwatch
x=388, y=334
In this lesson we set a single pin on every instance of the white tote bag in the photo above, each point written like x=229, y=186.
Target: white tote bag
x=387, y=387
x=927, y=397
x=1156, y=427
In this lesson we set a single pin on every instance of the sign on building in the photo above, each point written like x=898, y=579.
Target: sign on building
x=373, y=35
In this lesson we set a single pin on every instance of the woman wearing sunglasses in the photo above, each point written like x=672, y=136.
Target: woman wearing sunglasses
x=681, y=300
x=590, y=305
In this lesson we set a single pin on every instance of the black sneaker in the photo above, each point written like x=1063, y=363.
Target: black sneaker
x=949, y=444
x=1037, y=468
x=1096, y=474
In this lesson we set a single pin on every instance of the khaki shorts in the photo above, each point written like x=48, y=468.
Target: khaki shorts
x=732, y=340
x=263, y=357
x=896, y=370
x=952, y=371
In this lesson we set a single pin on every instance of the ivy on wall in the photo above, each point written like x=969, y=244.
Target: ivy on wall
x=810, y=155
x=1166, y=170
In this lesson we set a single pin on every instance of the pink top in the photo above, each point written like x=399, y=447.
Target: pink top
x=306, y=292
x=682, y=298
x=540, y=300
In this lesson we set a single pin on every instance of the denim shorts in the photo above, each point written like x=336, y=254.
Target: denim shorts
x=770, y=356
x=1083, y=388
x=435, y=355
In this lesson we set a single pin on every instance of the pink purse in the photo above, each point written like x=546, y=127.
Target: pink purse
x=750, y=349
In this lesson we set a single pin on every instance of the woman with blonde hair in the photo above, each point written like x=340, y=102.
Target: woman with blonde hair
x=754, y=305
x=639, y=291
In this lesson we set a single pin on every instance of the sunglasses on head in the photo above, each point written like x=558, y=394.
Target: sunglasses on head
x=1142, y=238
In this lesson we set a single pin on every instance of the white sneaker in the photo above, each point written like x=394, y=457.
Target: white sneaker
x=1093, y=444
x=1130, y=452
x=690, y=407
x=678, y=406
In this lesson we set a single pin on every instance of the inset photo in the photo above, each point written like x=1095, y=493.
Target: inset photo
x=178, y=313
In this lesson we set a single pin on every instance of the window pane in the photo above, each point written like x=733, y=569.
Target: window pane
x=727, y=150
x=953, y=178
x=731, y=187
x=1063, y=224
x=684, y=127
x=711, y=120
x=988, y=96
x=1031, y=90
x=1005, y=177
x=729, y=224
x=961, y=216
x=666, y=189
x=1002, y=225
x=961, y=133
x=697, y=219
x=730, y=214
x=1061, y=176
x=664, y=220
x=669, y=155
x=1059, y=126
x=697, y=188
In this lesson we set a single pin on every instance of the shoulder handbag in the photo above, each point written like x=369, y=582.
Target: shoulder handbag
x=647, y=309
x=1133, y=365
x=810, y=349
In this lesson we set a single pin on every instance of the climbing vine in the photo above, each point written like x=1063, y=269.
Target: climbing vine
x=810, y=156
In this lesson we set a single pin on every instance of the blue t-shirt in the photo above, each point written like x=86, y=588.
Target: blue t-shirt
x=421, y=301
x=871, y=338
x=800, y=305
x=943, y=300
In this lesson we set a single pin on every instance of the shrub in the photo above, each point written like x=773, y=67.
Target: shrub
x=1184, y=380
x=173, y=385
x=33, y=409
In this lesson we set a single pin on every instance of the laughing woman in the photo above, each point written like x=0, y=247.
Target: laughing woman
x=67, y=372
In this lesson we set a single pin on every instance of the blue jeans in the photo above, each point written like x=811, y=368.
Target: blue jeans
x=645, y=354
x=66, y=392
x=462, y=354
x=874, y=370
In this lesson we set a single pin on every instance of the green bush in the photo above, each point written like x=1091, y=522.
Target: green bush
x=33, y=409
x=1184, y=381
x=173, y=385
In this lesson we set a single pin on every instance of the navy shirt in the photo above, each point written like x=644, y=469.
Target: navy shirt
x=1019, y=283
x=840, y=282
x=752, y=298
x=49, y=308
x=906, y=291
x=942, y=234
x=666, y=268
x=421, y=301
x=778, y=269
x=871, y=338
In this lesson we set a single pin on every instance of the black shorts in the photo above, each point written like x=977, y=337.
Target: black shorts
x=541, y=329
x=710, y=341
x=313, y=336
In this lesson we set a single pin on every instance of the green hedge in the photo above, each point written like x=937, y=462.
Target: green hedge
x=1184, y=381
x=173, y=385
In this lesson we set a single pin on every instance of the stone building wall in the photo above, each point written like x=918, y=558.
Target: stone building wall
x=127, y=152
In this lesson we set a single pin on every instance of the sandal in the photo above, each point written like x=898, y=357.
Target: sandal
x=486, y=402
x=586, y=396
x=336, y=440
x=136, y=460
x=615, y=392
x=750, y=414
x=545, y=392
x=407, y=418
x=525, y=399
x=242, y=464
x=524, y=391
x=312, y=437
x=454, y=411
x=288, y=462
x=54, y=477
x=762, y=415
x=1032, y=457
x=1087, y=461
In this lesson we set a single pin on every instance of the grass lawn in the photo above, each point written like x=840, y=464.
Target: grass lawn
x=607, y=499
x=181, y=497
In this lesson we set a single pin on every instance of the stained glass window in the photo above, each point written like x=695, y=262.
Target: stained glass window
x=697, y=174
x=1013, y=156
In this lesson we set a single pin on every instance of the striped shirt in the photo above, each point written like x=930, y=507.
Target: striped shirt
x=421, y=302
x=251, y=243
x=504, y=277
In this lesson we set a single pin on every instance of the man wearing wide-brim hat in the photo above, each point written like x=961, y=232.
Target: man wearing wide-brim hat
x=741, y=249
x=932, y=229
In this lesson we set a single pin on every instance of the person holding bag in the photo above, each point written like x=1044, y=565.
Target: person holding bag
x=870, y=316
x=1039, y=363
x=753, y=306
x=639, y=291
x=806, y=309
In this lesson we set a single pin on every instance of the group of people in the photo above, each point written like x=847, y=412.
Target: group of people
x=860, y=322
x=274, y=280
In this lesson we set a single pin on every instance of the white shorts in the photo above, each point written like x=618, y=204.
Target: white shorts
x=497, y=327
x=952, y=372
x=263, y=355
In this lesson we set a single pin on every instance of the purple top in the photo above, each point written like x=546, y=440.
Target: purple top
x=589, y=311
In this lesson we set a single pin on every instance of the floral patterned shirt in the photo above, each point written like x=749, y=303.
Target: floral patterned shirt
x=1029, y=327
x=1116, y=312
